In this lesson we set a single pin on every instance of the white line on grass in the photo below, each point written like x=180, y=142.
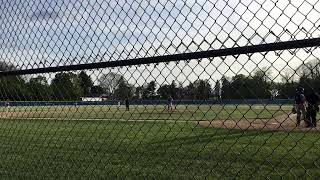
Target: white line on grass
x=120, y=120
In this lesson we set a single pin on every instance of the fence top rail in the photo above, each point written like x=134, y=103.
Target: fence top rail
x=295, y=44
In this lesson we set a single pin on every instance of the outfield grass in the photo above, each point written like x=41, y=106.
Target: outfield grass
x=32, y=149
x=149, y=112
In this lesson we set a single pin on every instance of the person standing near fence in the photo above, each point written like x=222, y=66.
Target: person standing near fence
x=170, y=100
x=119, y=105
x=300, y=105
x=7, y=103
x=127, y=104
x=312, y=108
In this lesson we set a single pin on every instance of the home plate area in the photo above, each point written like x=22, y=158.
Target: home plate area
x=284, y=122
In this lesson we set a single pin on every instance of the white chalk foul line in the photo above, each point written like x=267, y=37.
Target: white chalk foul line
x=99, y=119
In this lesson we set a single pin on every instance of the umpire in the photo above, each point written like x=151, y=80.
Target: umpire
x=312, y=108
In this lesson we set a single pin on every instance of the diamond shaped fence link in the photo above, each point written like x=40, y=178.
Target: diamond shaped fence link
x=159, y=89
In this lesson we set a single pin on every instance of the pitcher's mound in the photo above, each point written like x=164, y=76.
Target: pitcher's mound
x=283, y=122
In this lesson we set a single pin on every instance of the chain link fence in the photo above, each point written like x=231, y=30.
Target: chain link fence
x=191, y=89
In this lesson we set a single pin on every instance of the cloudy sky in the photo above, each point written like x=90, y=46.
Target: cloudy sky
x=43, y=33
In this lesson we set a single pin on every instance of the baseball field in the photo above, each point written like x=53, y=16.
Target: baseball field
x=94, y=142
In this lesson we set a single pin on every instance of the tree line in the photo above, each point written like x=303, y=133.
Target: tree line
x=69, y=86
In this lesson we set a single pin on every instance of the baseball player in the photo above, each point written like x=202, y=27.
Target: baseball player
x=312, y=108
x=300, y=105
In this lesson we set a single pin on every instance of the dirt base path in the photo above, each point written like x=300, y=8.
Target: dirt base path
x=284, y=122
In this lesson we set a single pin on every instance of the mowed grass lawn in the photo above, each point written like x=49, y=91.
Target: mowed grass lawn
x=51, y=149
x=149, y=112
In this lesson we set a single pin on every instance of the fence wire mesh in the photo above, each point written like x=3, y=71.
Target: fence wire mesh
x=159, y=89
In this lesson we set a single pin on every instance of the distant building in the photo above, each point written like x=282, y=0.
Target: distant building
x=91, y=99
x=103, y=97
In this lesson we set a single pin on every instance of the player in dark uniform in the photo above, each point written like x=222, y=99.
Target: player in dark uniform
x=312, y=108
x=7, y=103
x=170, y=100
x=300, y=105
x=127, y=104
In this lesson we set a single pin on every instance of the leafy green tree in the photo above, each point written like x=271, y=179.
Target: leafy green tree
x=66, y=86
x=309, y=75
x=190, y=91
x=97, y=91
x=14, y=88
x=217, y=90
x=203, y=89
x=124, y=89
x=164, y=91
x=149, y=91
x=261, y=85
x=173, y=90
x=286, y=90
x=6, y=66
x=199, y=89
x=241, y=87
x=85, y=83
x=226, y=88
x=39, y=89
x=138, y=92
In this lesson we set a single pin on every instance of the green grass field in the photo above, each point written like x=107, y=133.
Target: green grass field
x=49, y=148
x=149, y=112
